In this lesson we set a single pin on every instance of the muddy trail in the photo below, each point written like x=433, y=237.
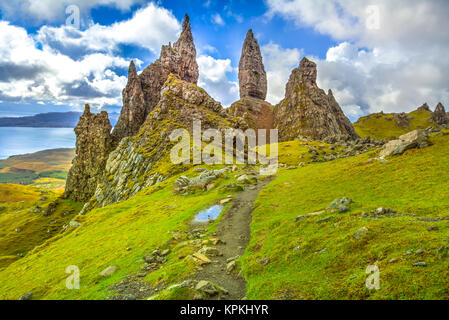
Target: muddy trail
x=234, y=231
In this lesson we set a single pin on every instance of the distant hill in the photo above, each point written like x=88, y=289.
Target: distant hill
x=48, y=120
x=391, y=125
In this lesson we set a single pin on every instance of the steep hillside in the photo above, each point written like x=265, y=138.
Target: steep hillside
x=28, y=217
x=293, y=255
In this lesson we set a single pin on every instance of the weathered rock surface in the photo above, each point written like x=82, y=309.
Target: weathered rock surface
x=424, y=107
x=93, y=145
x=307, y=111
x=142, y=92
x=257, y=113
x=143, y=160
x=415, y=139
x=252, y=75
x=439, y=115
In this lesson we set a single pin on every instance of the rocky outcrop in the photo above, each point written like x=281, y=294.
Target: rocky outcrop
x=424, y=107
x=142, y=92
x=402, y=120
x=415, y=139
x=307, y=111
x=257, y=113
x=93, y=145
x=134, y=110
x=143, y=160
x=439, y=116
x=252, y=75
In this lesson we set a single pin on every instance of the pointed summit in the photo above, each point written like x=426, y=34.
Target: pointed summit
x=143, y=91
x=132, y=72
x=440, y=115
x=252, y=75
x=307, y=111
x=186, y=23
x=308, y=70
x=424, y=107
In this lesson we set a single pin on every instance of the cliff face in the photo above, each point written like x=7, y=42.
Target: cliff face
x=252, y=75
x=93, y=145
x=307, y=111
x=142, y=92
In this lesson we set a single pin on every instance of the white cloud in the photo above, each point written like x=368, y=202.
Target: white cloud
x=217, y=19
x=135, y=31
x=76, y=67
x=39, y=11
x=395, y=67
x=279, y=63
x=214, y=79
x=57, y=77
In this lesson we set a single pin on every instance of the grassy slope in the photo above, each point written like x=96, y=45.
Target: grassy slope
x=35, y=227
x=413, y=184
x=51, y=165
x=142, y=223
x=378, y=126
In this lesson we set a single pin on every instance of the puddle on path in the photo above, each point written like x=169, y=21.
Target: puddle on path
x=207, y=215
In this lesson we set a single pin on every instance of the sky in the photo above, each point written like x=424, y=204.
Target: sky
x=376, y=55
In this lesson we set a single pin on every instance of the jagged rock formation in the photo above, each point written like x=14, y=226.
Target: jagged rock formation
x=252, y=75
x=402, y=120
x=439, y=115
x=93, y=145
x=424, y=107
x=134, y=110
x=307, y=111
x=142, y=92
x=143, y=160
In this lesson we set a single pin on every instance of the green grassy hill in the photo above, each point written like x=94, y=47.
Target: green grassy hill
x=319, y=258
x=383, y=126
x=316, y=257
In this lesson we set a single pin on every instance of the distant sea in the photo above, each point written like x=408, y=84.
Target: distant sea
x=16, y=141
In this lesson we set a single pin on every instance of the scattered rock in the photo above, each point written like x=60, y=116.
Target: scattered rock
x=201, y=259
x=230, y=266
x=210, y=251
x=420, y=251
x=415, y=139
x=108, y=271
x=440, y=116
x=264, y=261
x=420, y=264
x=393, y=260
x=226, y=201
x=18, y=230
x=207, y=287
x=433, y=228
x=360, y=232
x=27, y=296
x=74, y=224
x=43, y=199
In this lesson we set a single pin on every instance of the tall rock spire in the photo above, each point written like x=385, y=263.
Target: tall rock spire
x=93, y=145
x=252, y=75
x=142, y=93
x=307, y=111
x=133, y=113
